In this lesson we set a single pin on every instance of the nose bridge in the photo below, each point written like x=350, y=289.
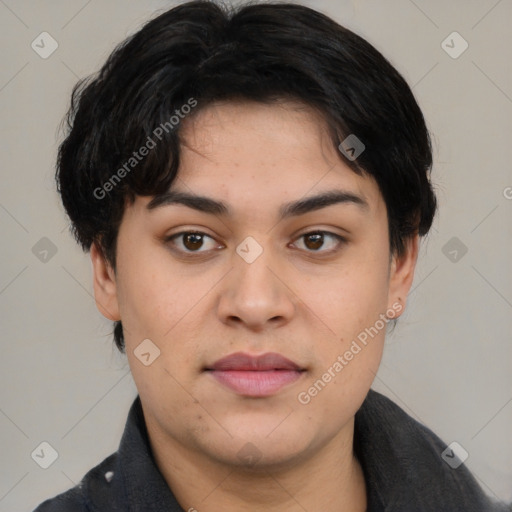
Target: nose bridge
x=256, y=278
x=254, y=293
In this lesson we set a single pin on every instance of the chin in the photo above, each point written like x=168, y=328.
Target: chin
x=260, y=449
x=254, y=458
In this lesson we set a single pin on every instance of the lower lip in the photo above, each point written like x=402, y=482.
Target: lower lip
x=256, y=383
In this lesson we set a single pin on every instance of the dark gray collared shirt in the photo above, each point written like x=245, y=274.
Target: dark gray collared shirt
x=401, y=460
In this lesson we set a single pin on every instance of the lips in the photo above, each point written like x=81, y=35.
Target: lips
x=245, y=362
x=255, y=376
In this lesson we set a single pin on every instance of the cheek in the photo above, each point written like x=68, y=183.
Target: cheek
x=162, y=303
x=147, y=303
x=350, y=303
x=147, y=308
x=351, y=296
x=153, y=293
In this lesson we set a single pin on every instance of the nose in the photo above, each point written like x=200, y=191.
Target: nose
x=255, y=295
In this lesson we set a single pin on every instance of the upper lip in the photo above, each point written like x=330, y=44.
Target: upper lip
x=264, y=362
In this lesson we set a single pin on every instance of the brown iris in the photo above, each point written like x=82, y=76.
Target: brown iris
x=314, y=240
x=193, y=241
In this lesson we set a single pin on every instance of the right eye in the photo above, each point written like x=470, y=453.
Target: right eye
x=192, y=241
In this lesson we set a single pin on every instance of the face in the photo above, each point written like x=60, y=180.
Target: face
x=286, y=256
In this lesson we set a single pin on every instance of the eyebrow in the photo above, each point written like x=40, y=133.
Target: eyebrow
x=294, y=208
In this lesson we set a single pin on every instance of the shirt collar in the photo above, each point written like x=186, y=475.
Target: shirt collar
x=136, y=484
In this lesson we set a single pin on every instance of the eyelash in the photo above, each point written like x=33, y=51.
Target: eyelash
x=341, y=241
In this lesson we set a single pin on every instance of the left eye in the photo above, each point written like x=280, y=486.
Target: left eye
x=316, y=240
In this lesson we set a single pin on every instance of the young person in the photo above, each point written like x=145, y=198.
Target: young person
x=252, y=184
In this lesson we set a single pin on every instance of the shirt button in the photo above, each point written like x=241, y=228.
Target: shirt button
x=109, y=475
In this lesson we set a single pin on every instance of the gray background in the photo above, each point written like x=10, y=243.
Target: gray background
x=449, y=361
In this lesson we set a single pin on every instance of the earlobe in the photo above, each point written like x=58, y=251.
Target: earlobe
x=104, y=282
x=402, y=274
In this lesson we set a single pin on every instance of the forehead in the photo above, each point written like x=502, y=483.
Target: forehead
x=258, y=160
x=283, y=148
x=257, y=134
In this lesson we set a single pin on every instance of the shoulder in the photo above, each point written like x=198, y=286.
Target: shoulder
x=77, y=499
x=407, y=464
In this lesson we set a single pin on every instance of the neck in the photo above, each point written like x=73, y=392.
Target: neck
x=329, y=479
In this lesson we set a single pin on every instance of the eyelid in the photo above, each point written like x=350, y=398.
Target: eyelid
x=325, y=230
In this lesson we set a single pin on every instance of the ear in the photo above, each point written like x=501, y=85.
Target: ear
x=401, y=275
x=105, y=288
